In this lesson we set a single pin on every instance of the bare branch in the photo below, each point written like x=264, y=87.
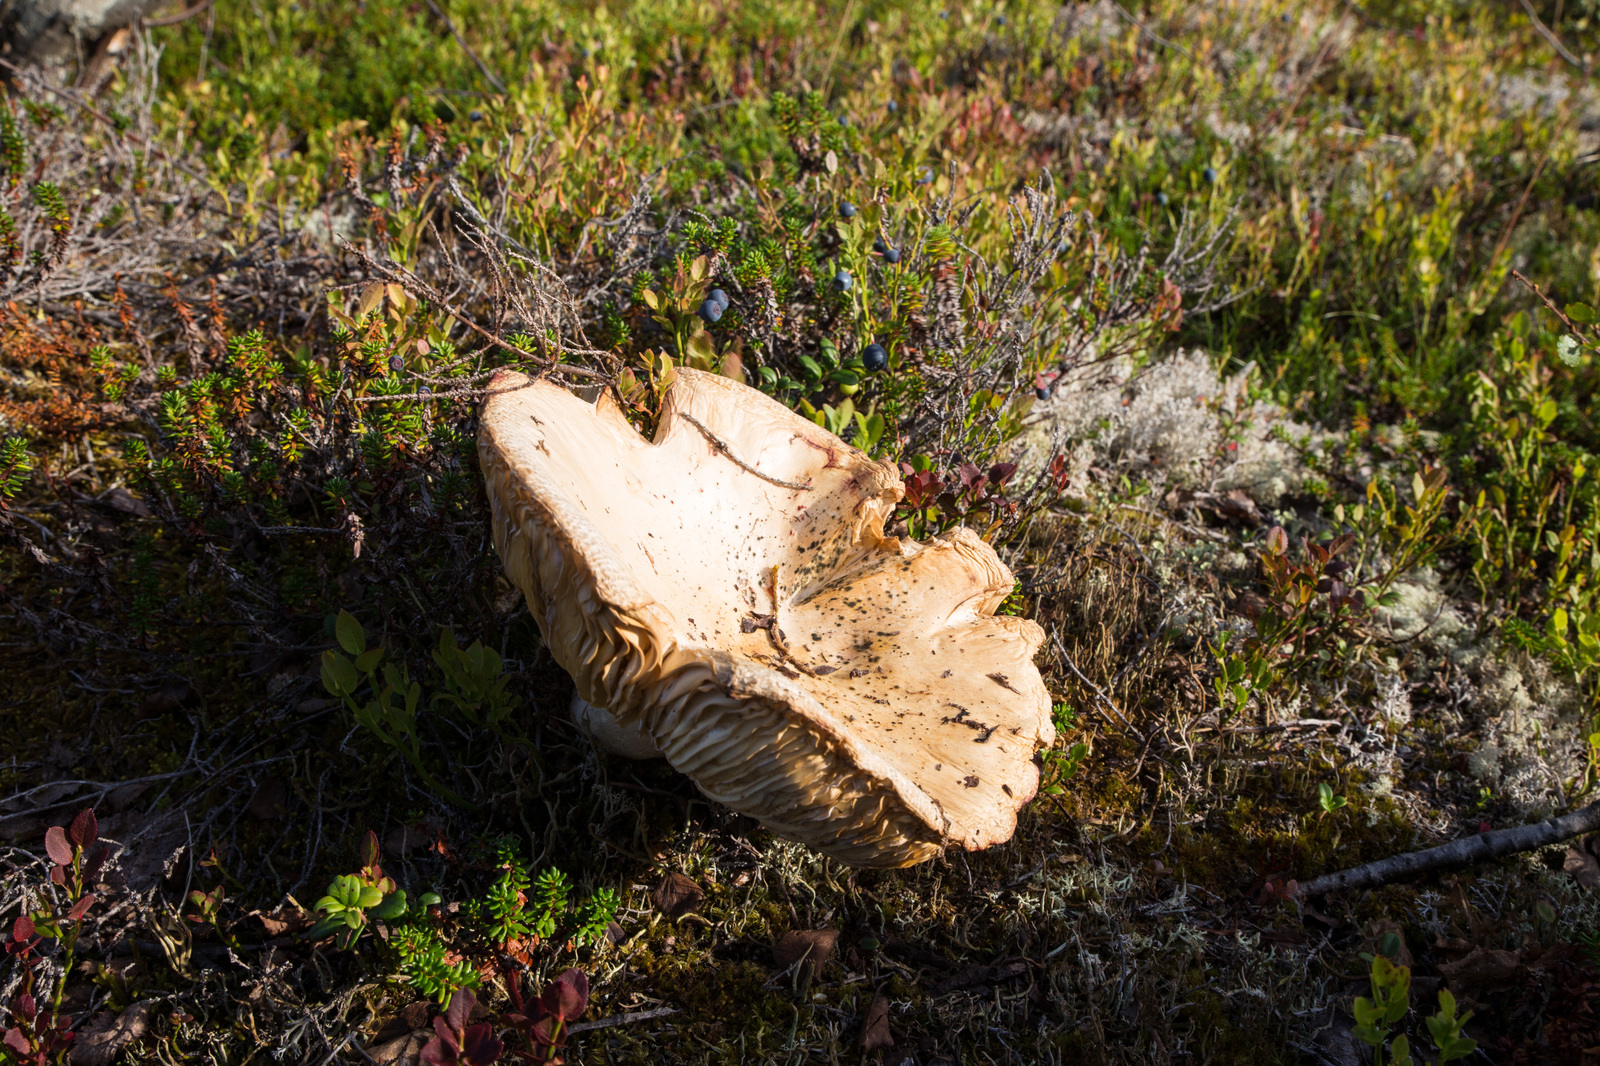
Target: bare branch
x=1468, y=850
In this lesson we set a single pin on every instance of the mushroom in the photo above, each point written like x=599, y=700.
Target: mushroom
x=725, y=597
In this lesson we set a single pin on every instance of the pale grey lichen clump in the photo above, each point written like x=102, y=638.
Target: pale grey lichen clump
x=1164, y=422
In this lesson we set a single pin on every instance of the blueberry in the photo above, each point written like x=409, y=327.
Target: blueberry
x=944, y=15
x=841, y=281
x=892, y=255
x=1210, y=174
x=893, y=107
x=584, y=51
x=396, y=363
x=1388, y=194
x=710, y=310
x=844, y=120
x=926, y=177
x=718, y=297
x=423, y=390
x=1042, y=393
x=1161, y=198
x=879, y=247
x=475, y=116
x=1000, y=20
x=874, y=357
x=847, y=209
x=1284, y=18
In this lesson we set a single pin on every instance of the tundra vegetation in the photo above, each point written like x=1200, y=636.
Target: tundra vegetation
x=1259, y=338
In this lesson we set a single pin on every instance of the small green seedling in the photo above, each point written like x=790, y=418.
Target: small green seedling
x=1327, y=800
x=1391, y=998
x=353, y=900
x=1445, y=1028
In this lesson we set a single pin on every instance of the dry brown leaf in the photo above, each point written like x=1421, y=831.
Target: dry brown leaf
x=1583, y=863
x=106, y=1034
x=403, y=1050
x=977, y=974
x=676, y=895
x=813, y=945
x=1238, y=506
x=1484, y=968
x=285, y=920
x=875, y=1029
x=122, y=500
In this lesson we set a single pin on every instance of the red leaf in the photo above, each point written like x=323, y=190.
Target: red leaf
x=84, y=830
x=369, y=849
x=58, y=874
x=22, y=929
x=93, y=859
x=16, y=1041
x=442, y=1050
x=1000, y=473
x=459, y=1012
x=80, y=908
x=479, y=1046
x=26, y=1006
x=544, y=1032
x=56, y=846
x=437, y=1053
x=567, y=996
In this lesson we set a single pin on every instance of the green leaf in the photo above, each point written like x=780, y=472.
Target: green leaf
x=701, y=347
x=351, y=637
x=393, y=906
x=367, y=661
x=325, y=926
x=1580, y=313
x=339, y=676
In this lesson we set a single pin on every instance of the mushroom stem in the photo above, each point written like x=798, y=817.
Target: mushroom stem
x=602, y=727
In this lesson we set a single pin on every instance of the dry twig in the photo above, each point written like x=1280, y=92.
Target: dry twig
x=1468, y=850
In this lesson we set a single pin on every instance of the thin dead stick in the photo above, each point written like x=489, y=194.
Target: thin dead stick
x=1467, y=850
x=483, y=68
x=1516, y=216
x=622, y=1019
x=1554, y=310
x=101, y=116
x=182, y=16
x=415, y=285
x=1554, y=41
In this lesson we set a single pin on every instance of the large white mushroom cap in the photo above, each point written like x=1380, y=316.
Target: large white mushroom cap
x=725, y=596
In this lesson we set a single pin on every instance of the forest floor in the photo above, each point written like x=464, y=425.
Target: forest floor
x=1246, y=292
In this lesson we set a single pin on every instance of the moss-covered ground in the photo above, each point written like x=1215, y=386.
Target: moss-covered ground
x=274, y=222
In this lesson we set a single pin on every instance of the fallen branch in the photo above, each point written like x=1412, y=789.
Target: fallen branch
x=1463, y=852
x=1552, y=40
x=621, y=1019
